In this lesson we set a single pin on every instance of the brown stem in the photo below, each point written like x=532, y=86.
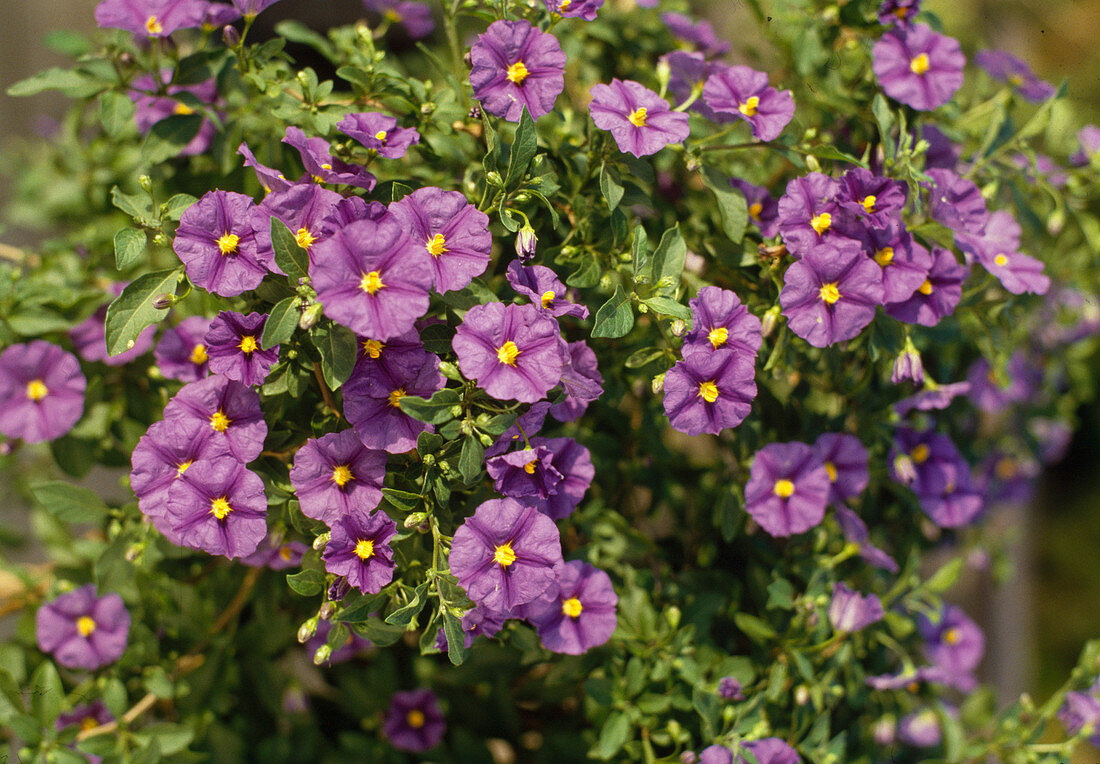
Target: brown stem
x=325, y=392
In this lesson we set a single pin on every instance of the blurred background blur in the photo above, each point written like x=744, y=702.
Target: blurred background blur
x=1040, y=617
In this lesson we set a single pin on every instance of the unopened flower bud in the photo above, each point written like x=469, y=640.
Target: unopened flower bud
x=161, y=239
x=769, y=321
x=812, y=164
x=658, y=384
x=303, y=79
x=679, y=328
x=133, y=552
x=884, y=731
x=468, y=59
x=324, y=652
x=908, y=365
x=310, y=316
x=730, y=689
x=475, y=113
x=320, y=541
x=802, y=695
x=450, y=371
x=689, y=757
x=485, y=439
x=338, y=589
x=494, y=179
x=307, y=630
x=673, y=615
x=526, y=243
x=145, y=182
x=230, y=36
x=164, y=301
x=415, y=518
x=327, y=610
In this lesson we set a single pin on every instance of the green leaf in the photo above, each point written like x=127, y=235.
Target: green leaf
x=944, y=578
x=469, y=461
x=336, y=344
x=72, y=83
x=399, y=191
x=885, y=119
x=116, y=113
x=611, y=187
x=828, y=151
x=403, y=500
x=129, y=247
x=456, y=639
x=176, y=206
x=732, y=208
x=169, y=738
x=492, y=157
x=755, y=628
x=615, y=318
x=613, y=735
x=666, y=306
x=135, y=206
x=428, y=443
x=133, y=310
x=293, y=260
x=668, y=260
x=434, y=410
x=69, y=503
x=523, y=150
x=307, y=583
x=167, y=138
x=378, y=631
x=281, y=323
x=643, y=356
x=47, y=694
x=639, y=251
x=403, y=616
x=1041, y=119
x=709, y=706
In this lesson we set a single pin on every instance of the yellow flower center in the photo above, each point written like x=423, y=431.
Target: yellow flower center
x=884, y=256
x=784, y=488
x=926, y=287
x=869, y=202
x=508, y=353
x=220, y=508
x=517, y=73
x=748, y=108
x=718, y=336
x=572, y=607
x=228, y=242
x=371, y=282
x=285, y=552
x=37, y=390
x=88, y=724
x=318, y=179
x=152, y=25
x=198, y=354
x=219, y=421
x=1006, y=468
x=182, y=108
x=85, y=625
x=304, y=238
x=548, y=299
x=564, y=5
x=396, y=396
x=326, y=166
x=373, y=348
x=638, y=116
x=755, y=209
x=1001, y=260
x=919, y=64
x=437, y=245
x=341, y=475
x=504, y=555
x=921, y=453
x=249, y=344
x=529, y=468
x=364, y=549
x=380, y=136
x=182, y=467
x=415, y=718
x=830, y=469
x=829, y=293
x=820, y=223
x=952, y=636
x=708, y=391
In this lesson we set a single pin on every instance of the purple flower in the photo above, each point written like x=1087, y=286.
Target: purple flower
x=899, y=12
x=937, y=295
x=506, y=555
x=529, y=472
x=996, y=248
x=526, y=426
x=788, y=488
x=452, y=231
x=309, y=211
x=1089, y=139
x=712, y=754
x=771, y=750
x=763, y=208
x=580, y=380
x=954, y=643
x=908, y=365
x=956, y=202
x=276, y=556
x=571, y=9
x=942, y=153
x=1043, y=167
x=932, y=466
x=372, y=402
x=379, y=132
x=89, y=339
x=513, y=351
x=850, y=611
x=370, y=279
x=845, y=461
x=709, y=392
x=933, y=397
x=414, y=721
x=988, y=394
x=920, y=729
x=478, y=621
x=904, y=262
x=217, y=244
x=544, y=288
x=218, y=15
x=1007, y=479
x=1080, y=712
x=233, y=345
x=744, y=93
x=268, y=178
x=918, y=67
x=574, y=463
x=730, y=689
x=719, y=320
x=1003, y=66
x=808, y=213
x=219, y=507
x=855, y=530
x=875, y=201
x=87, y=716
x=228, y=408
x=335, y=475
x=83, y=631
x=581, y=615
x=250, y=8
x=830, y=294
x=181, y=353
x=322, y=166
x=359, y=549
x=688, y=73
x=149, y=18
x=516, y=65
x=391, y=357
x=41, y=391
x=640, y=121
x=414, y=17
x=151, y=107
x=699, y=34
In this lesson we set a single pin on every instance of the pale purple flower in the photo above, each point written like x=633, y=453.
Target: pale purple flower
x=218, y=506
x=954, y=643
x=516, y=65
x=845, y=461
x=149, y=18
x=151, y=107
x=414, y=17
x=1003, y=66
x=250, y=8
x=956, y=202
x=379, y=132
x=918, y=67
x=309, y=211
x=231, y=411
x=580, y=615
x=545, y=290
x=942, y=153
x=41, y=391
x=233, y=345
x=268, y=178
x=453, y=232
x=83, y=631
x=571, y=9
x=640, y=121
x=771, y=750
x=851, y=611
x=920, y=729
x=700, y=34
x=181, y=353
x=763, y=207
x=932, y=466
x=322, y=166
x=745, y=94
x=830, y=294
x=336, y=475
x=997, y=249
x=709, y=392
x=719, y=320
x=372, y=401
x=359, y=549
x=580, y=380
x=788, y=488
x=933, y=397
x=908, y=366
x=809, y=213
x=937, y=295
x=275, y=555
x=855, y=530
x=218, y=246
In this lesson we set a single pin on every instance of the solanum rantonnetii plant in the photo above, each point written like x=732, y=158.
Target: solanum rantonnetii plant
x=565, y=388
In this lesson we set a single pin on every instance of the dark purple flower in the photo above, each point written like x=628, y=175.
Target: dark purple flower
x=516, y=65
x=709, y=392
x=908, y=366
x=391, y=357
x=151, y=107
x=876, y=201
x=954, y=643
x=937, y=295
x=830, y=294
x=788, y=488
x=276, y=556
x=719, y=320
x=744, y=93
x=574, y=462
x=415, y=18
x=640, y=121
x=771, y=750
x=700, y=34
x=942, y=153
x=581, y=615
x=359, y=549
x=218, y=506
x=808, y=213
x=850, y=611
x=372, y=401
x=41, y=391
x=83, y=631
x=986, y=390
x=370, y=279
x=855, y=530
x=506, y=555
x=444, y=225
x=527, y=425
x=918, y=67
x=335, y=475
x=904, y=262
x=763, y=208
x=933, y=397
x=571, y=9
x=181, y=353
x=379, y=132
x=730, y=689
x=546, y=291
x=580, y=380
x=414, y=721
x=956, y=202
x=231, y=411
x=309, y=211
x=322, y=166
x=996, y=248
x=899, y=12
x=845, y=461
x=1003, y=66
x=920, y=729
x=217, y=244
x=87, y=716
x=513, y=351
x=233, y=345
x=931, y=465
x=89, y=338
x=478, y=621
x=529, y=472
x=149, y=18
x=268, y=178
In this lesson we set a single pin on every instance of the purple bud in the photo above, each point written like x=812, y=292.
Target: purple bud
x=526, y=242
x=730, y=689
x=339, y=589
x=908, y=366
x=475, y=113
x=164, y=301
x=230, y=36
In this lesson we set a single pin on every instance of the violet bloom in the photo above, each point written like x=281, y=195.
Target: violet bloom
x=876, y=201
x=730, y=689
x=391, y=357
x=219, y=507
x=571, y=9
x=908, y=366
x=808, y=213
x=359, y=549
x=700, y=34
x=640, y=121
x=88, y=716
x=149, y=18
x=380, y=133
x=830, y=294
x=233, y=344
x=268, y=178
x=771, y=750
x=415, y=18
x=1003, y=66
x=956, y=202
x=513, y=351
x=181, y=353
x=506, y=555
x=476, y=622
x=1080, y=712
x=81, y=630
x=719, y=320
x=899, y=12
x=308, y=210
x=744, y=93
x=709, y=392
x=855, y=531
x=920, y=729
x=712, y=754
x=152, y=108
x=336, y=475
x=845, y=461
x=41, y=391
x=414, y=721
x=904, y=262
x=231, y=411
x=372, y=403
x=581, y=382
x=217, y=244
x=370, y=280
x=1088, y=137
x=937, y=473
x=849, y=611
x=529, y=472
x=544, y=288
x=276, y=556
x=788, y=488
x=918, y=67
x=996, y=248
x=986, y=390
x=942, y=153
x=954, y=643
x=763, y=207
x=933, y=398
x=581, y=615
x=937, y=295
x=688, y=73
x=527, y=425
x=444, y=225
x=322, y=166
x=250, y=8
x=516, y=65
x=574, y=462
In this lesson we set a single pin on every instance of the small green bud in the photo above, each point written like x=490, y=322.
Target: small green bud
x=486, y=440
x=320, y=541
x=673, y=615
x=145, y=182
x=658, y=384
x=802, y=695
x=322, y=655
x=494, y=179
x=415, y=518
x=456, y=410
x=450, y=371
x=812, y=164
x=310, y=316
x=161, y=239
x=307, y=630
x=679, y=328
x=327, y=610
